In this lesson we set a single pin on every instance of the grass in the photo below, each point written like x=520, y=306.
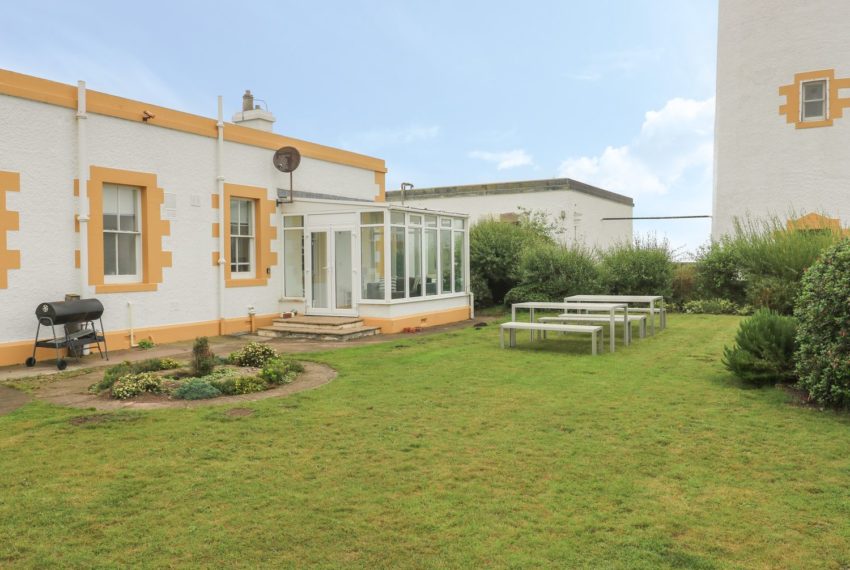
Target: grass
x=445, y=451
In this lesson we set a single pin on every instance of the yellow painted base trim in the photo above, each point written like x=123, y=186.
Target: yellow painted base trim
x=398, y=324
x=17, y=352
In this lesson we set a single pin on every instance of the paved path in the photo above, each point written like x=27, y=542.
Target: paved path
x=11, y=400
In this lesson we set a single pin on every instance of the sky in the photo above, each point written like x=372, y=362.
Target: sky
x=615, y=93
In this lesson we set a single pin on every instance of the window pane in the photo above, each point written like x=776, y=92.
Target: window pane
x=126, y=254
x=813, y=90
x=458, y=237
x=446, y=222
x=431, y=221
x=397, y=262
x=110, y=207
x=293, y=221
x=813, y=109
x=234, y=246
x=397, y=218
x=342, y=270
x=109, y=263
x=446, y=260
x=416, y=219
x=457, y=223
x=372, y=218
x=414, y=261
x=320, y=269
x=243, y=256
x=127, y=209
x=293, y=259
x=431, y=261
x=372, y=262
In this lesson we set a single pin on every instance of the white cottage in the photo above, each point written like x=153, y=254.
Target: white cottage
x=182, y=226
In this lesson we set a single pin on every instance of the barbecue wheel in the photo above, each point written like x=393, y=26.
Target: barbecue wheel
x=30, y=362
x=61, y=364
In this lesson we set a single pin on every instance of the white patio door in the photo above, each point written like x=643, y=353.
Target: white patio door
x=332, y=272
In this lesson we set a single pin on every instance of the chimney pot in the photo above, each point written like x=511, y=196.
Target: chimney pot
x=247, y=101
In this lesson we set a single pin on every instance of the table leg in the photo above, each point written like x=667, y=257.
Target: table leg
x=513, y=314
x=663, y=315
x=627, y=328
x=532, y=330
x=652, y=317
x=613, y=331
x=501, y=337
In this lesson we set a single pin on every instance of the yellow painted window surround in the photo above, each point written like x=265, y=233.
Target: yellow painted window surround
x=835, y=104
x=154, y=259
x=264, y=234
x=9, y=221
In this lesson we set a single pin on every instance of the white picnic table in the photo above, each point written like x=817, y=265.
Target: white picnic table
x=642, y=299
x=612, y=309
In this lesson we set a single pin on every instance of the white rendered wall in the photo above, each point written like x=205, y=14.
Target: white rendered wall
x=590, y=229
x=763, y=165
x=39, y=141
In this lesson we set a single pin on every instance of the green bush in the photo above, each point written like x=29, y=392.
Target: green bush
x=495, y=249
x=644, y=267
x=823, y=335
x=249, y=384
x=764, y=349
x=226, y=385
x=196, y=389
x=113, y=373
x=711, y=307
x=773, y=259
x=719, y=273
x=684, y=284
x=281, y=370
x=203, y=359
x=146, y=344
x=549, y=273
x=131, y=385
x=254, y=354
x=480, y=291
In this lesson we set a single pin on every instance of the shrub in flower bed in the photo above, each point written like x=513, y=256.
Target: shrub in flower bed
x=253, y=354
x=203, y=359
x=113, y=373
x=132, y=385
x=196, y=389
x=250, y=384
x=281, y=370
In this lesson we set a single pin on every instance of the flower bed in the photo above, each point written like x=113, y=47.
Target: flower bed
x=254, y=368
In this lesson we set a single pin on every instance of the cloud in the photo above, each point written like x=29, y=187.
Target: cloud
x=674, y=147
x=504, y=160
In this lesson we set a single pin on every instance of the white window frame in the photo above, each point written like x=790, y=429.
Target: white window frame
x=803, y=101
x=137, y=276
x=251, y=237
x=292, y=229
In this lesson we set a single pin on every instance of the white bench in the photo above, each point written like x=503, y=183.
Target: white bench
x=512, y=327
x=595, y=318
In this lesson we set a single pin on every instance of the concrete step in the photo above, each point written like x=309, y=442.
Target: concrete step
x=327, y=323
x=318, y=332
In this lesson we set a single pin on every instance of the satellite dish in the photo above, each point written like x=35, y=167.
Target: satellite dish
x=286, y=159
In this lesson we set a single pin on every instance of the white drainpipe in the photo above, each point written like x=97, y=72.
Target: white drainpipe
x=133, y=343
x=219, y=149
x=82, y=177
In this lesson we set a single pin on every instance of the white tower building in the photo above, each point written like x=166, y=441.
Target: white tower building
x=782, y=132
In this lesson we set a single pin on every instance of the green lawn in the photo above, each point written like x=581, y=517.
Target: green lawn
x=445, y=451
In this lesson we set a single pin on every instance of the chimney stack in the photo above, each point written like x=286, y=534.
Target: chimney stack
x=253, y=115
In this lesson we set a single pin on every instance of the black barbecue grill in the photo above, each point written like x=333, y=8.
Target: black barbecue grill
x=77, y=319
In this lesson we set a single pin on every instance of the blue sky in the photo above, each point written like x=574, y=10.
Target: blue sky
x=613, y=93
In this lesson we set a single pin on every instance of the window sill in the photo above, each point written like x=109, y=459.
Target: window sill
x=125, y=287
x=256, y=282
x=814, y=124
